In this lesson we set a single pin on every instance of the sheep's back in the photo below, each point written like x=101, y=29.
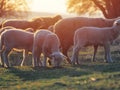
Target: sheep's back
x=18, y=39
x=22, y=24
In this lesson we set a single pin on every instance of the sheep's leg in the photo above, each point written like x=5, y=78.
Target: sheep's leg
x=65, y=50
x=35, y=57
x=75, y=55
x=25, y=56
x=95, y=51
x=39, y=63
x=2, y=59
x=44, y=61
x=107, y=53
x=5, y=56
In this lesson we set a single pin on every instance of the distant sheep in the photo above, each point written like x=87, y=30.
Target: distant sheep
x=35, y=23
x=17, y=39
x=48, y=21
x=24, y=24
x=66, y=27
x=87, y=36
x=47, y=43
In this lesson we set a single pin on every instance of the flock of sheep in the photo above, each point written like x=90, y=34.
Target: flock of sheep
x=53, y=36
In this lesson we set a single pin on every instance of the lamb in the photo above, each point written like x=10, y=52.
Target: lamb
x=15, y=38
x=66, y=27
x=47, y=43
x=87, y=36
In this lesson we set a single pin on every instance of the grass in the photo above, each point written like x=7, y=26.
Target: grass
x=86, y=76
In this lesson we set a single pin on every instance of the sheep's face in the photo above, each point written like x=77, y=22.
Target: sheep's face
x=38, y=23
x=117, y=23
x=57, y=59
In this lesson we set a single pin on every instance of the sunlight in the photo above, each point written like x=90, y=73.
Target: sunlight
x=53, y=6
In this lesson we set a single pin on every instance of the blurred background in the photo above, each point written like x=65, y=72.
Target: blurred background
x=32, y=8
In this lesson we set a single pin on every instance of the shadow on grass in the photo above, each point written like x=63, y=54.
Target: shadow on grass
x=46, y=73
x=101, y=67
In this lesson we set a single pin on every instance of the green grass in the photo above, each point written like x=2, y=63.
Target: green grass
x=86, y=76
x=97, y=76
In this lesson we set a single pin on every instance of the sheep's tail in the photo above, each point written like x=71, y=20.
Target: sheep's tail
x=1, y=43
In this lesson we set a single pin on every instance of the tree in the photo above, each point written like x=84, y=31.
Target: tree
x=13, y=8
x=109, y=8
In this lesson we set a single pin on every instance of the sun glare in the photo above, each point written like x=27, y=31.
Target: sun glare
x=52, y=6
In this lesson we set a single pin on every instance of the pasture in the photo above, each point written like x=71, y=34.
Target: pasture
x=86, y=76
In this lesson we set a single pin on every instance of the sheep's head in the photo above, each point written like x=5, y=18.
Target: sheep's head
x=57, y=17
x=57, y=58
x=117, y=23
x=38, y=23
x=116, y=26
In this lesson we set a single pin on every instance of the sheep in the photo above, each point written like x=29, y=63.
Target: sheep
x=15, y=39
x=35, y=23
x=87, y=36
x=24, y=24
x=47, y=43
x=48, y=21
x=66, y=27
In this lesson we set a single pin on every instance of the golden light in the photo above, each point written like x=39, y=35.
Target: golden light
x=48, y=6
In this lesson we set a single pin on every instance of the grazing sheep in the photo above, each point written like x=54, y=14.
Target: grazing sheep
x=47, y=43
x=24, y=24
x=87, y=36
x=15, y=39
x=66, y=27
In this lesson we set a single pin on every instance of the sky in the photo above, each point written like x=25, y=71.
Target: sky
x=52, y=6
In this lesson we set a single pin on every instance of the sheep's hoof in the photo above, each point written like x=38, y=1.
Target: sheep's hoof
x=69, y=61
x=109, y=61
x=93, y=60
x=77, y=63
x=2, y=65
x=21, y=65
x=57, y=67
x=36, y=67
x=6, y=67
x=73, y=63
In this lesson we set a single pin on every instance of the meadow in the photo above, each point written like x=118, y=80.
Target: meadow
x=86, y=76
